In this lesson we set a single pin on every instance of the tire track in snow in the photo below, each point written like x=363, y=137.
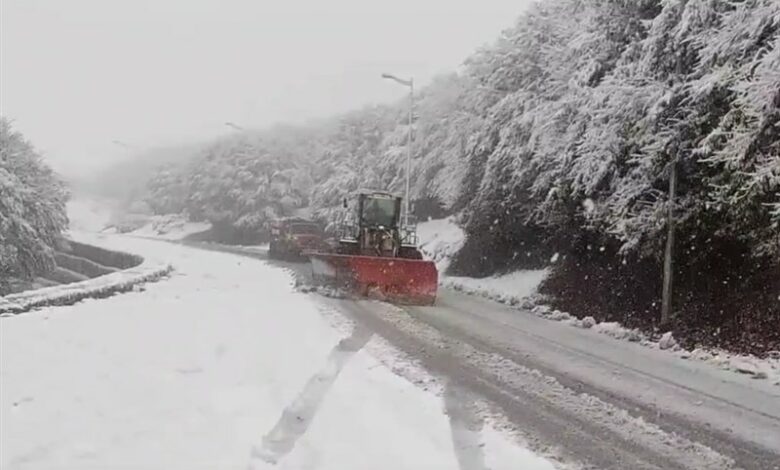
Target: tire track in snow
x=297, y=417
x=467, y=413
x=466, y=424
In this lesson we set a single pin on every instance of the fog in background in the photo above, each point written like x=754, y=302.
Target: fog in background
x=90, y=82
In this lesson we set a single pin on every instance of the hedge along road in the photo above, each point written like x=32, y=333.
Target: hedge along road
x=599, y=401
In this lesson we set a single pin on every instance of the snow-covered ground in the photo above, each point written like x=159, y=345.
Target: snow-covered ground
x=88, y=215
x=440, y=239
x=224, y=365
x=512, y=286
x=170, y=227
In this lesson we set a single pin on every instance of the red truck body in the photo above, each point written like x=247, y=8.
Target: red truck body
x=292, y=237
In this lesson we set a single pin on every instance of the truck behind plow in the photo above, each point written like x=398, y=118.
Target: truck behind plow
x=376, y=257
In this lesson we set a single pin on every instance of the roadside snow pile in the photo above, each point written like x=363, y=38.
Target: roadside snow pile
x=6, y=306
x=509, y=288
x=667, y=341
x=618, y=331
x=170, y=227
x=66, y=294
x=766, y=368
x=613, y=329
x=439, y=240
x=98, y=287
x=254, y=249
x=225, y=366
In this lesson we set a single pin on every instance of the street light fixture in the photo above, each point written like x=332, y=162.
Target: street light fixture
x=408, y=83
x=234, y=126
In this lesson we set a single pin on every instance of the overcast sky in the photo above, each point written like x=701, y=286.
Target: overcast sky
x=76, y=75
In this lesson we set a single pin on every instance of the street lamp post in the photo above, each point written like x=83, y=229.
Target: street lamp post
x=408, y=83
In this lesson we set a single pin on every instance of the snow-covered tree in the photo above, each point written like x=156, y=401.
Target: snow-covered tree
x=602, y=97
x=32, y=208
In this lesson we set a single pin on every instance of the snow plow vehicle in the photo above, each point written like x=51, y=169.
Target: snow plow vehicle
x=376, y=256
x=291, y=237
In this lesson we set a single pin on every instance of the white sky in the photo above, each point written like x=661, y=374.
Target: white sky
x=76, y=75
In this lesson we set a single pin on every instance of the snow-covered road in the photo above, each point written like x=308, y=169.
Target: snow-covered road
x=604, y=402
x=225, y=366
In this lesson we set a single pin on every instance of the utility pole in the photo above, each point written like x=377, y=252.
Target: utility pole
x=666, y=300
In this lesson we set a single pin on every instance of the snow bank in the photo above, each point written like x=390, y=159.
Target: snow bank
x=102, y=286
x=439, y=240
x=254, y=249
x=618, y=331
x=507, y=288
x=170, y=227
x=766, y=368
x=7, y=306
x=222, y=366
x=66, y=294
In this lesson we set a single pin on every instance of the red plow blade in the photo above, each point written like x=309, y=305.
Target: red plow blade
x=397, y=280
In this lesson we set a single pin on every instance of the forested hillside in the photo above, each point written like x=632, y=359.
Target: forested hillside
x=560, y=138
x=246, y=178
x=596, y=118
x=32, y=209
